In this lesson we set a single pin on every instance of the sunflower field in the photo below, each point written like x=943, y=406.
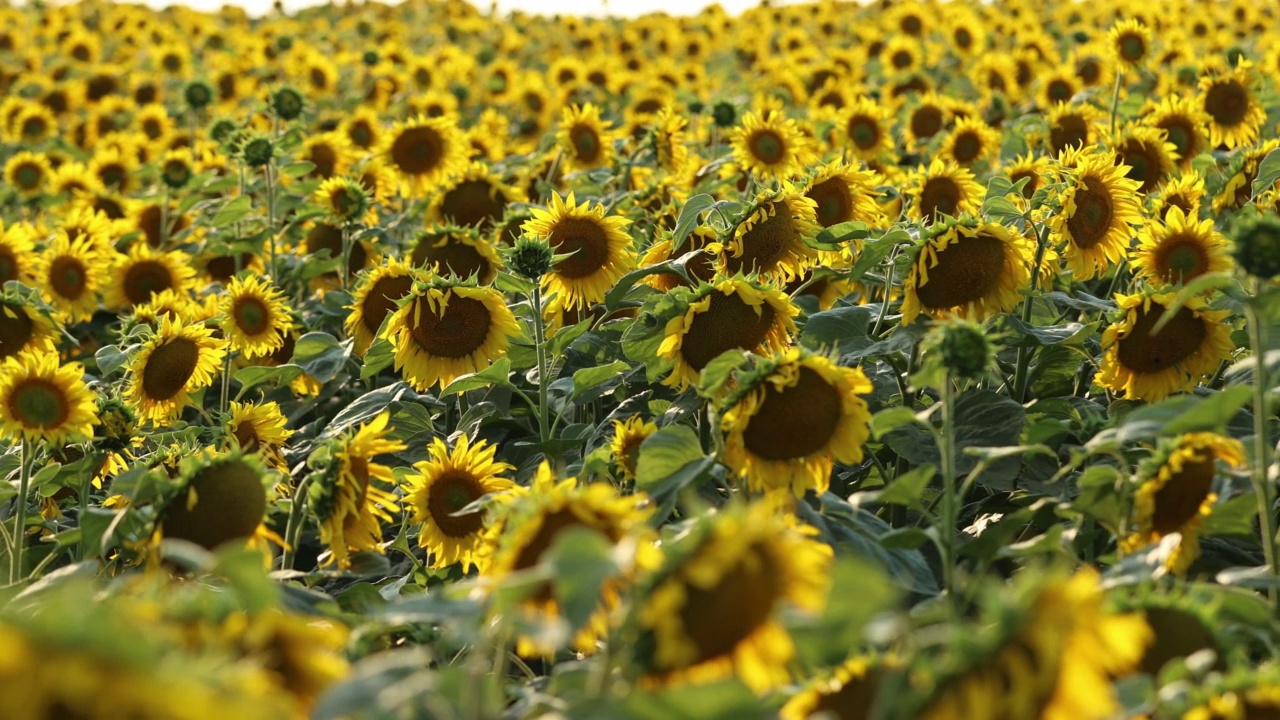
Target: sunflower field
x=890, y=360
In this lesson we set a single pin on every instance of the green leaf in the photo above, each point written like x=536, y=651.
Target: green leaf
x=842, y=232
x=826, y=641
x=1196, y=288
x=983, y=419
x=891, y=419
x=724, y=700
x=843, y=328
x=875, y=251
x=1268, y=173
x=908, y=488
x=380, y=356
x=1029, y=335
x=688, y=218
x=320, y=355
x=496, y=374
x=1177, y=415
x=1099, y=496
x=1233, y=518
x=234, y=211
x=254, y=376
x=665, y=453
x=110, y=359
x=1258, y=578
x=582, y=561
x=719, y=372
x=593, y=378
x=1001, y=209
x=297, y=169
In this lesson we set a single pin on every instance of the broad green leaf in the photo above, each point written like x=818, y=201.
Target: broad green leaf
x=665, y=453
x=842, y=328
x=496, y=374
x=1177, y=415
x=875, y=251
x=1268, y=174
x=592, y=378
x=842, y=232
x=908, y=488
x=582, y=561
x=380, y=356
x=320, y=355
x=253, y=376
x=234, y=211
x=109, y=359
x=688, y=218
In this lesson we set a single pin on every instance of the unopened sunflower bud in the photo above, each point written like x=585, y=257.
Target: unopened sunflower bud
x=531, y=258
x=287, y=103
x=198, y=94
x=964, y=348
x=724, y=114
x=1258, y=246
x=258, y=151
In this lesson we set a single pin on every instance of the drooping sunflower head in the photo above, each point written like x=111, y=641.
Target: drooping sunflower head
x=974, y=270
x=1150, y=158
x=730, y=313
x=221, y=498
x=771, y=238
x=43, y=400
x=255, y=317
x=1230, y=99
x=584, y=138
x=770, y=146
x=1176, y=494
x=424, y=151
x=942, y=188
x=376, y=296
x=145, y=271
x=457, y=251
x=1150, y=366
x=713, y=610
x=24, y=328
x=447, y=483
x=1099, y=205
x=1179, y=249
x=476, y=198
x=1130, y=43
x=447, y=329
x=595, y=248
x=791, y=418
x=842, y=193
x=628, y=435
x=178, y=360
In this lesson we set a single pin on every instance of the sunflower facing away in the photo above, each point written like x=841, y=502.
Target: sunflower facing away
x=597, y=246
x=713, y=612
x=1230, y=99
x=222, y=498
x=628, y=435
x=447, y=483
x=255, y=317
x=424, y=152
x=975, y=272
x=444, y=331
x=1180, y=249
x=178, y=360
x=732, y=313
x=348, y=500
x=1152, y=366
x=1098, y=206
x=787, y=426
x=1178, y=494
x=41, y=400
x=942, y=189
x=769, y=146
x=375, y=297
x=770, y=240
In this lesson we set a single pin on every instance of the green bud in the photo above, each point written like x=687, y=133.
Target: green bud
x=531, y=257
x=964, y=348
x=176, y=173
x=198, y=94
x=724, y=114
x=287, y=103
x=258, y=151
x=1257, y=246
x=222, y=129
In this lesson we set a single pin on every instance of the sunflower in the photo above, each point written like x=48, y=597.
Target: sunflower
x=1180, y=249
x=260, y=429
x=1150, y=158
x=702, y=268
x=841, y=193
x=1058, y=86
x=345, y=202
x=1098, y=206
x=301, y=654
x=770, y=146
x=628, y=435
x=28, y=173
x=928, y=116
x=222, y=499
x=69, y=274
x=848, y=693
x=1151, y=366
x=942, y=189
x=769, y=239
x=970, y=142
x=347, y=501
x=424, y=152
x=1241, y=174
x=865, y=126
x=731, y=313
x=1130, y=43
x=597, y=249
x=1072, y=125
x=177, y=360
x=583, y=138
x=145, y=271
x=901, y=56
x=375, y=298
x=526, y=528
x=1185, y=125
x=1230, y=99
x=41, y=400
x=713, y=611
x=446, y=330
x=363, y=129
x=1036, y=169
x=475, y=198
x=17, y=252
x=460, y=252
x=1177, y=495
x=328, y=152
x=25, y=330
x=973, y=270
x=116, y=169
x=447, y=483
x=255, y=317
x=1184, y=192
x=775, y=438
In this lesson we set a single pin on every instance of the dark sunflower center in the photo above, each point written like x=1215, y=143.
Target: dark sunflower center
x=795, y=421
x=246, y=436
x=1181, y=135
x=16, y=330
x=417, y=150
x=963, y=38
x=720, y=617
x=109, y=206
x=1068, y=131
x=8, y=265
x=1181, y=259
x=834, y=201
x=229, y=504
x=146, y=278
x=453, y=257
x=864, y=132
x=853, y=701
x=587, y=242
x=460, y=331
x=28, y=176
x=169, y=367
x=926, y=121
x=360, y=134
x=728, y=323
x=912, y=25
x=967, y=271
x=473, y=202
x=34, y=127
x=1089, y=70
x=329, y=237
x=1179, y=500
x=223, y=267
x=67, y=277
x=1060, y=90
x=629, y=455
x=766, y=243
x=252, y=316
x=939, y=195
x=1132, y=48
x=1176, y=634
x=1144, y=165
x=901, y=60
x=112, y=175
x=325, y=159
x=1227, y=102
x=451, y=492
x=967, y=147
x=149, y=221
x=586, y=143
x=767, y=146
x=36, y=402
x=381, y=300
x=1143, y=352
x=1178, y=201
x=1091, y=221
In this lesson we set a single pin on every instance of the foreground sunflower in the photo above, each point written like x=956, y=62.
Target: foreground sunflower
x=445, y=330
x=732, y=313
x=375, y=298
x=1151, y=366
x=446, y=483
x=769, y=146
x=178, y=360
x=528, y=527
x=1180, y=249
x=770, y=239
x=348, y=499
x=1177, y=495
x=255, y=317
x=941, y=189
x=971, y=270
x=597, y=248
x=848, y=693
x=628, y=435
x=41, y=400
x=423, y=152
x=1098, y=206
x=789, y=423
x=713, y=611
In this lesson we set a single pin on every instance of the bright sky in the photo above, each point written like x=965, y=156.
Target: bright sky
x=627, y=8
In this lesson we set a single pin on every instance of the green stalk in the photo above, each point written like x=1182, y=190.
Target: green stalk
x=344, y=272
x=539, y=340
x=20, y=516
x=1115, y=102
x=1021, y=376
x=293, y=527
x=1261, y=439
x=950, y=500
x=271, y=224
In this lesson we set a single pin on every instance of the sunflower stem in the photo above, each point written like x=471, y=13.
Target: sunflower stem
x=271, y=224
x=293, y=526
x=345, y=270
x=1261, y=438
x=20, y=514
x=1115, y=101
x=539, y=341
x=1021, y=376
x=950, y=502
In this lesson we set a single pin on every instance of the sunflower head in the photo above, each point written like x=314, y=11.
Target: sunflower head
x=376, y=296
x=345, y=201
x=594, y=247
x=424, y=151
x=962, y=347
x=42, y=400
x=222, y=497
x=628, y=435
x=942, y=189
x=1180, y=249
x=770, y=146
x=770, y=239
x=255, y=317
x=1130, y=43
x=968, y=268
x=583, y=137
x=457, y=251
x=1257, y=246
x=178, y=360
x=1230, y=99
x=1098, y=207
